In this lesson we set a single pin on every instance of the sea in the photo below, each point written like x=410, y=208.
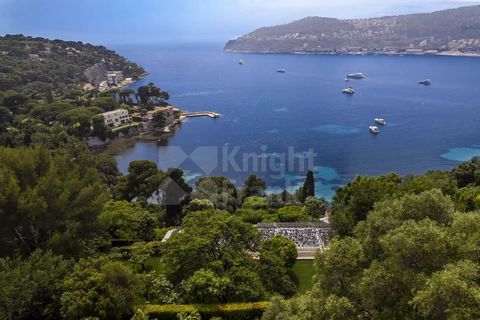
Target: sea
x=280, y=125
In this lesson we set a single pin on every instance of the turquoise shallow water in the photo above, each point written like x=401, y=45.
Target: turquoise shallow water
x=274, y=119
x=461, y=154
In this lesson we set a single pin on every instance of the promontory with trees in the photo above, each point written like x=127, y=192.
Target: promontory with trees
x=51, y=90
x=80, y=240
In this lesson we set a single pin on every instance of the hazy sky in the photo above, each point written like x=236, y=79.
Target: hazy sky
x=117, y=21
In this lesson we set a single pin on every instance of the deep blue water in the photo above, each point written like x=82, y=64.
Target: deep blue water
x=265, y=112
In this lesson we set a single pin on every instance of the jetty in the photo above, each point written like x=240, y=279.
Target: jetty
x=210, y=114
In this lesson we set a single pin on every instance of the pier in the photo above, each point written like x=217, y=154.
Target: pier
x=210, y=114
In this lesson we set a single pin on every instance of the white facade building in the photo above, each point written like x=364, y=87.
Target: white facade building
x=116, y=118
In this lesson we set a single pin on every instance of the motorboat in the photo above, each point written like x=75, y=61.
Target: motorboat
x=348, y=90
x=241, y=62
x=380, y=121
x=281, y=71
x=357, y=75
x=426, y=82
x=374, y=129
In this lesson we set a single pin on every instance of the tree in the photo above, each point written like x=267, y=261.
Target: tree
x=339, y=267
x=308, y=189
x=307, y=307
x=49, y=200
x=253, y=186
x=290, y=213
x=255, y=203
x=159, y=119
x=151, y=93
x=100, y=129
x=196, y=246
x=6, y=117
x=143, y=94
x=128, y=221
x=108, y=169
x=385, y=289
x=106, y=103
x=453, y=293
x=410, y=258
x=210, y=256
x=431, y=180
x=352, y=203
x=140, y=252
x=159, y=290
x=143, y=180
x=101, y=288
x=198, y=205
x=281, y=247
x=315, y=207
x=205, y=286
x=467, y=173
x=219, y=190
x=14, y=100
x=275, y=276
x=464, y=236
x=390, y=214
x=275, y=201
x=29, y=288
x=468, y=199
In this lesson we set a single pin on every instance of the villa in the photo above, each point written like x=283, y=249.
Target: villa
x=117, y=117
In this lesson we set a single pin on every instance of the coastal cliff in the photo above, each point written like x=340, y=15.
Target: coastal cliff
x=455, y=31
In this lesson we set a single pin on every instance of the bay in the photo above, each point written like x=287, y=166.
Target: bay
x=272, y=122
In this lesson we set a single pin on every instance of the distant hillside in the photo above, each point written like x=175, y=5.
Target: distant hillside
x=456, y=30
x=33, y=65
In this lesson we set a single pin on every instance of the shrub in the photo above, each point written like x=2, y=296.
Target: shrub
x=234, y=311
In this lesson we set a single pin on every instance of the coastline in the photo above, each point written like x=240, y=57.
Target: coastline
x=398, y=54
x=126, y=82
x=117, y=145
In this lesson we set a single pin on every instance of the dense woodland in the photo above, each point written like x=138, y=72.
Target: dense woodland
x=41, y=68
x=80, y=240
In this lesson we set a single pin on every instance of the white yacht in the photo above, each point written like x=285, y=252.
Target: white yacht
x=357, y=75
x=380, y=121
x=348, y=90
x=374, y=129
x=281, y=71
x=241, y=62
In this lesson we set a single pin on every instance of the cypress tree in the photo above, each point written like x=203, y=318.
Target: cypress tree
x=308, y=189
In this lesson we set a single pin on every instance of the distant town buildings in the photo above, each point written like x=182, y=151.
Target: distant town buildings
x=116, y=118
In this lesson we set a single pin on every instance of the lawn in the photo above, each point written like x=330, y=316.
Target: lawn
x=303, y=272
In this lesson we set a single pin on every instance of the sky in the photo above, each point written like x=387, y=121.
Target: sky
x=153, y=21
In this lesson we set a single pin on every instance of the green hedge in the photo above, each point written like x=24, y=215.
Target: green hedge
x=231, y=311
